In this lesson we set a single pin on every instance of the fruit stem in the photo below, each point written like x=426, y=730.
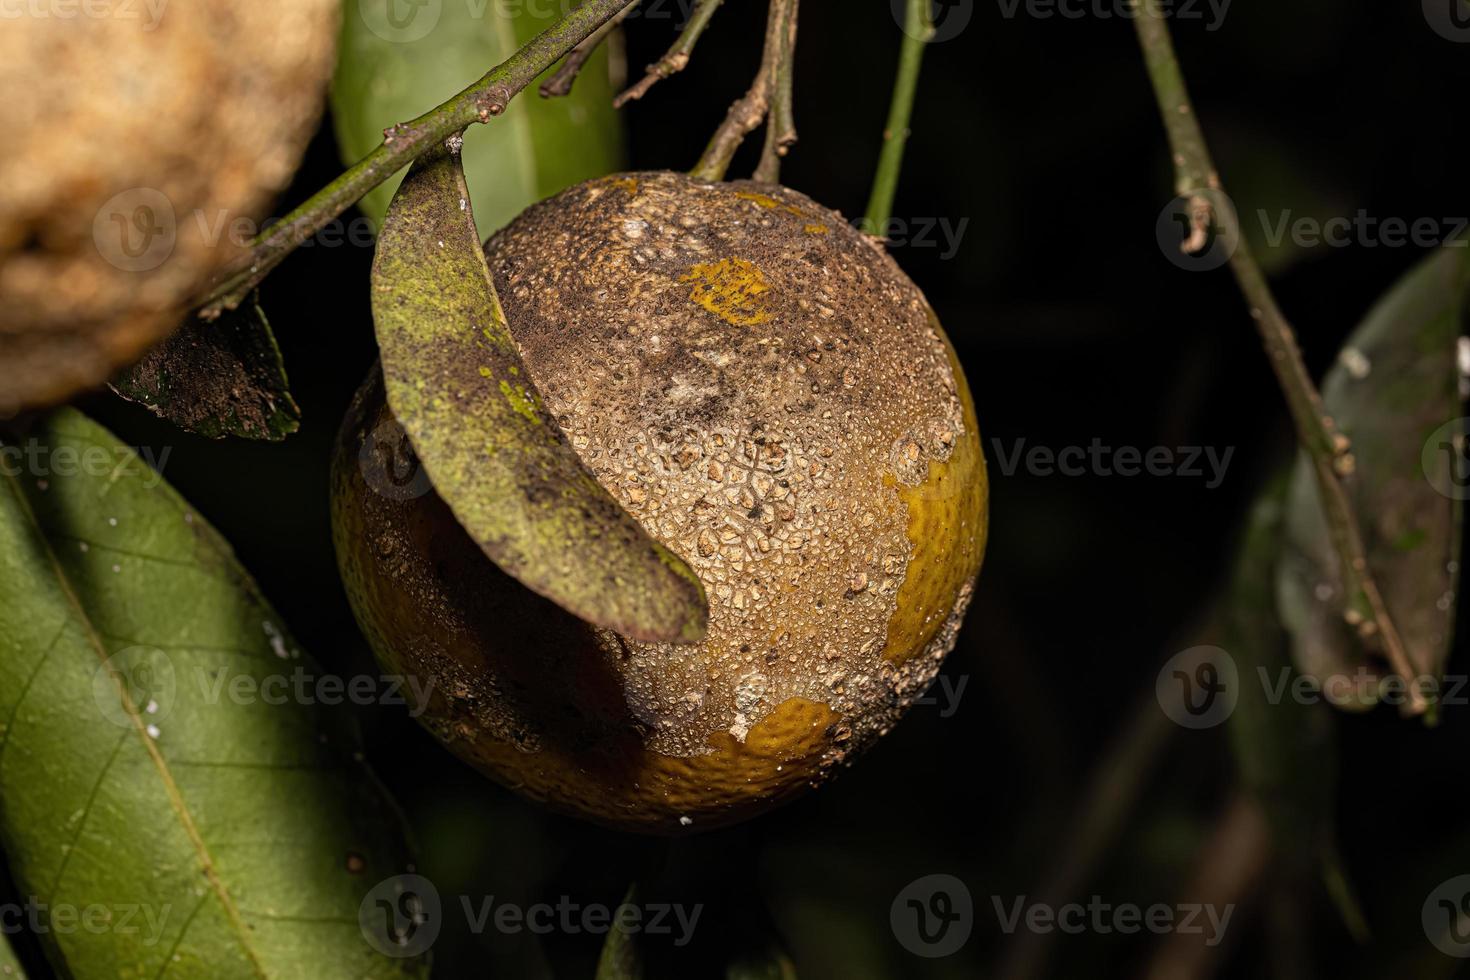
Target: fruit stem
x=560, y=84
x=918, y=31
x=677, y=57
x=1197, y=181
x=751, y=109
x=402, y=144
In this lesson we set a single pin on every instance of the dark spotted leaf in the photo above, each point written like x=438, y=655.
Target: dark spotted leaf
x=217, y=379
x=1395, y=393
x=145, y=768
x=456, y=383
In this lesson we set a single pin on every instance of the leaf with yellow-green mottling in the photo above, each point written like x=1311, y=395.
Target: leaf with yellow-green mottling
x=458, y=386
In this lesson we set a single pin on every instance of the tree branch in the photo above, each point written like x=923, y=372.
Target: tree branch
x=677, y=57
x=560, y=84
x=918, y=30
x=781, y=121
x=1098, y=819
x=1232, y=865
x=1329, y=449
x=750, y=109
x=402, y=144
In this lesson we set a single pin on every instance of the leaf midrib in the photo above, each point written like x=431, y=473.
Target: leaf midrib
x=171, y=788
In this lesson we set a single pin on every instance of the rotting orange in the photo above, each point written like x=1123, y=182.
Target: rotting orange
x=762, y=387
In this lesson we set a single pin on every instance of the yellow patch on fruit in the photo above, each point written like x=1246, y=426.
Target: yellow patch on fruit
x=947, y=528
x=732, y=289
x=767, y=201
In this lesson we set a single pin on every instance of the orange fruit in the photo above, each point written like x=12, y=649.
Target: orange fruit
x=769, y=395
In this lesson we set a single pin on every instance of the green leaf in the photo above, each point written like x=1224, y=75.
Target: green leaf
x=767, y=963
x=392, y=70
x=456, y=382
x=9, y=965
x=1284, y=747
x=621, y=958
x=218, y=379
x=223, y=833
x=1393, y=392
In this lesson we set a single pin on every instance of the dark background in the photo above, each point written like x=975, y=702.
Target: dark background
x=1042, y=134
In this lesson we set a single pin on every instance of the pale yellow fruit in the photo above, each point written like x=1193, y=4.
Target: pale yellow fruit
x=143, y=141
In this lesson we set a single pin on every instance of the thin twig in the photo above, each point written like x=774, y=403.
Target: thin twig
x=402, y=144
x=1100, y=815
x=1199, y=183
x=560, y=84
x=781, y=121
x=677, y=57
x=918, y=30
x=749, y=110
x=1233, y=863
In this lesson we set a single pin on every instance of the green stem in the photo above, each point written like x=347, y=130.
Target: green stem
x=403, y=144
x=918, y=29
x=1197, y=181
